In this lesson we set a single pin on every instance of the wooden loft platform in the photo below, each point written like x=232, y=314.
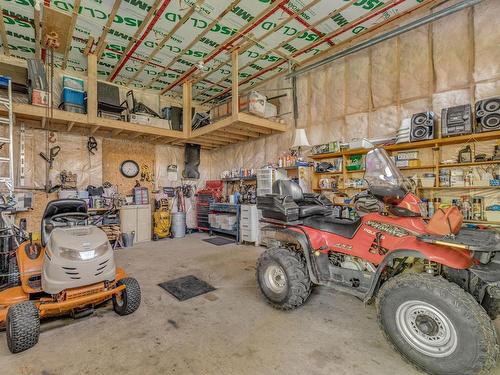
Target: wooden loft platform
x=38, y=117
x=239, y=127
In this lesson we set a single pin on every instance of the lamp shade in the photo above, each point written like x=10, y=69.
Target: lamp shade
x=300, y=139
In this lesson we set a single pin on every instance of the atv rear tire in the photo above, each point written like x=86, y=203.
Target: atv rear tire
x=436, y=325
x=129, y=299
x=22, y=326
x=13, y=277
x=283, y=278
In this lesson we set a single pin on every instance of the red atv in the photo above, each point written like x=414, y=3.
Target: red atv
x=433, y=293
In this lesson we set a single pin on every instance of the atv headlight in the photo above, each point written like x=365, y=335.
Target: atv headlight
x=73, y=254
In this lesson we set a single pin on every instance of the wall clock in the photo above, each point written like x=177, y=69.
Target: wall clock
x=129, y=168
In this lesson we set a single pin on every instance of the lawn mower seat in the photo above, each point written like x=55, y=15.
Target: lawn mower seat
x=59, y=206
x=309, y=204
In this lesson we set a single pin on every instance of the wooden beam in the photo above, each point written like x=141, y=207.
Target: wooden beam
x=135, y=37
x=235, y=99
x=101, y=44
x=94, y=129
x=165, y=39
x=3, y=35
x=116, y=132
x=223, y=134
x=215, y=138
x=69, y=37
x=92, y=88
x=135, y=136
x=243, y=132
x=38, y=33
x=44, y=122
x=70, y=126
x=88, y=46
x=228, y=42
x=187, y=93
x=194, y=41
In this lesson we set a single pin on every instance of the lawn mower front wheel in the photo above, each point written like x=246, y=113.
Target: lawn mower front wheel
x=129, y=299
x=22, y=326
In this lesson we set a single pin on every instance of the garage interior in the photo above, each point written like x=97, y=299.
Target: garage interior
x=253, y=145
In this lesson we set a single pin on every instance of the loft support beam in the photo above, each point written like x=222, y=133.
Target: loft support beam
x=92, y=88
x=187, y=93
x=70, y=125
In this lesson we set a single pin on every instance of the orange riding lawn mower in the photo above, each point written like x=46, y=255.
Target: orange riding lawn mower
x=69, y=272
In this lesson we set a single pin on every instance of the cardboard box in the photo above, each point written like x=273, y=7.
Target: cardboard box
x=136, y=118
x=40, y=98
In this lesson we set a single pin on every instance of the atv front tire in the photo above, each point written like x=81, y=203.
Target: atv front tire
x=283, y=278
x=22, y=326
x=129, y=299
x=436, y=325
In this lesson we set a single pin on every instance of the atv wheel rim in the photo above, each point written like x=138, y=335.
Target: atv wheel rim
x=426, y=329
x=275, y=279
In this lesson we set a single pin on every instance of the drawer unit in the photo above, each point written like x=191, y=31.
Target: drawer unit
x=249, y=223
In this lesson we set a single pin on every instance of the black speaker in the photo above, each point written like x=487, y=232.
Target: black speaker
x=422, y=126
x=191, y=161
x=456, y=120
x=488, y=115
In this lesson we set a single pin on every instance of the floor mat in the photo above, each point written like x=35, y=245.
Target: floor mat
x=186, y=287
x=219, y=241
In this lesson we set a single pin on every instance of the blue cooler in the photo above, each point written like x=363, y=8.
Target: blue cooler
x=71, y=96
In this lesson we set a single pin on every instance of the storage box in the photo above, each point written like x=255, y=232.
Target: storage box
x=136, y=118
x=73, y=83
x=68, y=107
x=492, y=215
x=159, y=123
x=40, y=98
x=354, y=163
x=73, y=96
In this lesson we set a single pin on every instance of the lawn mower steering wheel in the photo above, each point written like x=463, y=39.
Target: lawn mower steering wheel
x=66, y=218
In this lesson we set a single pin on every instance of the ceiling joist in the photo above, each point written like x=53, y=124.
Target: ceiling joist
x=101, y=44
x=3, y=35
x=69, y=37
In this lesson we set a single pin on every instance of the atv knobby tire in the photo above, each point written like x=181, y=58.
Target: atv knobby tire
x=129, y=299
x=22, y=326
x=475, y=349
x=295, y=287
x=13, y=276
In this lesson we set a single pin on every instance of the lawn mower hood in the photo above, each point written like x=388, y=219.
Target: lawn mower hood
x=75, y=255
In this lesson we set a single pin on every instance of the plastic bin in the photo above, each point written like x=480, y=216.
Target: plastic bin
x=73, y=83
x=68, y=107
x=71, y=96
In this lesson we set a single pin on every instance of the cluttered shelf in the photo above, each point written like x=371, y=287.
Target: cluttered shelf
x=476, y=137
x=458, y=187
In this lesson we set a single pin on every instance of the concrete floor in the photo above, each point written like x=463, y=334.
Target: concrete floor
x=229, y=331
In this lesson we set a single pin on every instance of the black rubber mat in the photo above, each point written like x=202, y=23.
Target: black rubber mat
x=186, y=287
x=219, y=241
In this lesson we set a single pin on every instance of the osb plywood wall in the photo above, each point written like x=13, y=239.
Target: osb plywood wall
x=450, y=62
x=115, y=151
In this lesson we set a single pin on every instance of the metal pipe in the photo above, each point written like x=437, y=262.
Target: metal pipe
x=390, y=34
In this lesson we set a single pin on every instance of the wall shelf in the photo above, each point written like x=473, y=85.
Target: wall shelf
x=467, y=138
x=459, y=187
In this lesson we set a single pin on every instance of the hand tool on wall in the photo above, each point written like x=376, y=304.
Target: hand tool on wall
x=52, y=155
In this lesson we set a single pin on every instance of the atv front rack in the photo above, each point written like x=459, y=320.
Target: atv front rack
x=470, y=239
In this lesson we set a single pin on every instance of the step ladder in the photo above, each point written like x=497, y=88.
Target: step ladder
x=7, y=182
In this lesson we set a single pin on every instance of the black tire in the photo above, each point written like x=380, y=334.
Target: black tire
x=13, y=277
x=129, y=299
x=290, y=291
x=419, y=308
x=22, y=326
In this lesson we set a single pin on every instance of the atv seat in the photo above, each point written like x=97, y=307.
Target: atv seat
x=59, y=206
x=309, y=204
x=342, y=227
